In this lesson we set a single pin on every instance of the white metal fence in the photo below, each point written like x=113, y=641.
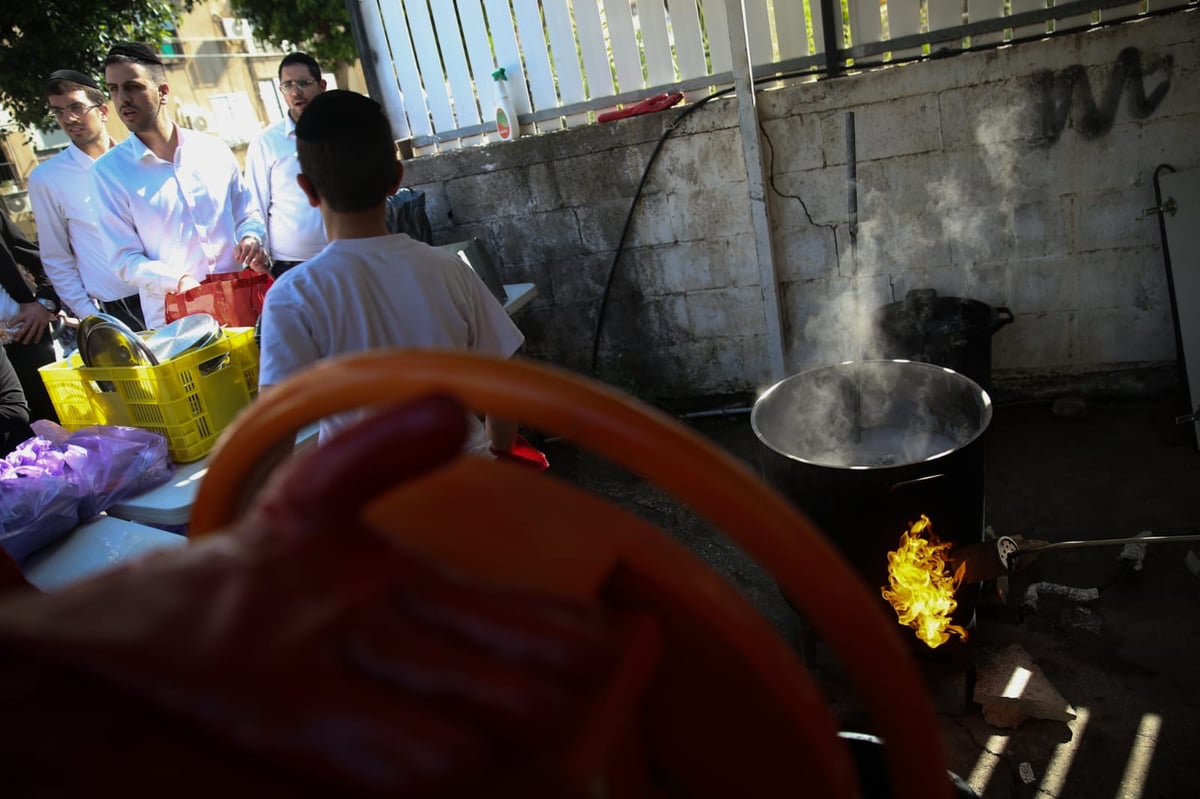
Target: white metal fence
x=568, y=60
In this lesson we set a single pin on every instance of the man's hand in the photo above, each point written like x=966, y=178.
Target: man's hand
x=34, y=320
x=249, y=252
x=314, y=648
x=186, y=283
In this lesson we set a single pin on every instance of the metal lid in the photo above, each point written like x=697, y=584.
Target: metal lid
x=105, y=340
x=183, y=335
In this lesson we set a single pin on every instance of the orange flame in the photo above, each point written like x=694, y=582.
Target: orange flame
x=922, y=589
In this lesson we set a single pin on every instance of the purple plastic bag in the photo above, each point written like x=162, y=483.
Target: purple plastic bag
x=53, y=482
x=36, y=511
x=121, y=462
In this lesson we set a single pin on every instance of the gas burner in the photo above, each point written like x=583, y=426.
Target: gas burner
x=1007, y=548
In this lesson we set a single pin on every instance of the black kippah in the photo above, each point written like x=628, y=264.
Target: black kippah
x=73, y=76
x=135, y=51
x=335, y=113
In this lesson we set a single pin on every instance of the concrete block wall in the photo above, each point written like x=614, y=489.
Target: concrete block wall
x=1013, y=176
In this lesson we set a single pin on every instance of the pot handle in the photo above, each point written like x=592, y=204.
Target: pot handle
x=1003, y=317
x=905, y=483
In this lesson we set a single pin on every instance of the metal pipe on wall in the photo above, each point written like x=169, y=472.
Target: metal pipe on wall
x=851, y=176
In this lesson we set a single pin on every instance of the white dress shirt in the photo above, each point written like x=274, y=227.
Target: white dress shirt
x=167, y=219
x=74, y=251
x=295, y=230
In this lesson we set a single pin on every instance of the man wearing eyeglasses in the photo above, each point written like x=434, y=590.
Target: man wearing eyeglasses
x=295, y=231
x=74, y=250
x=171, y=201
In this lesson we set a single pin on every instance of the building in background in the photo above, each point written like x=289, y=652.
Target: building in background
x=223, y=81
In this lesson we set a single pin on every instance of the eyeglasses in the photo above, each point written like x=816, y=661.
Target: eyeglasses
x=302, y=85
x=73, y=110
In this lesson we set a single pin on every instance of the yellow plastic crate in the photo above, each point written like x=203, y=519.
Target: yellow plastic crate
x=189, y=399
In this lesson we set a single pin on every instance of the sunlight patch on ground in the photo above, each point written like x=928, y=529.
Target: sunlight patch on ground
x=1133, y=783
x=993, y=750
x=1064, y=755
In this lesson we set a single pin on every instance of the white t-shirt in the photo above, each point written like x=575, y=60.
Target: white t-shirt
x=374, y=293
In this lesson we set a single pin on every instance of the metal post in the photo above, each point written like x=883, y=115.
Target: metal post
x=829, y=31
x=370, y=38
x=365, y=53
x=752, y=153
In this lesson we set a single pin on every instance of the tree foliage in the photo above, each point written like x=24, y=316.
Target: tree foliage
x=40, y=36
x=320, y=28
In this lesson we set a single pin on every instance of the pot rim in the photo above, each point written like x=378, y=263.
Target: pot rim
x=982, y=395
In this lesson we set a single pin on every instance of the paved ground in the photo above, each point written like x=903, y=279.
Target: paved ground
x=1128, y=661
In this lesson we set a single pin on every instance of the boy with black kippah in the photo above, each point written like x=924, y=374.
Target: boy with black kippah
x=369, y=289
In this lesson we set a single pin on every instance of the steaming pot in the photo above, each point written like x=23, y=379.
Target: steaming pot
x=866, y=447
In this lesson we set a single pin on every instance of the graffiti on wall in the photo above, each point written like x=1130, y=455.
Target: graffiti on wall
x=1068, y=89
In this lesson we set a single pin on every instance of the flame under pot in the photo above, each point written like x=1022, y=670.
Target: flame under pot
x=866, y=447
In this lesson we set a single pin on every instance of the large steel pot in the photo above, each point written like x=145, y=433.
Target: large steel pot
x=866, y=447
x=947, y=331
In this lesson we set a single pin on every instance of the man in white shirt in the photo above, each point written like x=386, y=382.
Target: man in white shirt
x=295, y=231
x=74, y=250
x=171, y=201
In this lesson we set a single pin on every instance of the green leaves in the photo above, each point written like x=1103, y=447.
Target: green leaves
x=39, y=37
x=320, y=28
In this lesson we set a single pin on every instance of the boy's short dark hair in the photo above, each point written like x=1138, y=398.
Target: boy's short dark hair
x=305, y=59
x=346, y=149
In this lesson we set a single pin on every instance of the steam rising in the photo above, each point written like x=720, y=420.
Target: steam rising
x=953, y=222
x=963, y=225
x=870, y=415
x=999, y=135
x=840, y=328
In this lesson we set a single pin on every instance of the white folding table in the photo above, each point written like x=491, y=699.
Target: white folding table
x=170, y=504
x=517, y=296
x=94, y=547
